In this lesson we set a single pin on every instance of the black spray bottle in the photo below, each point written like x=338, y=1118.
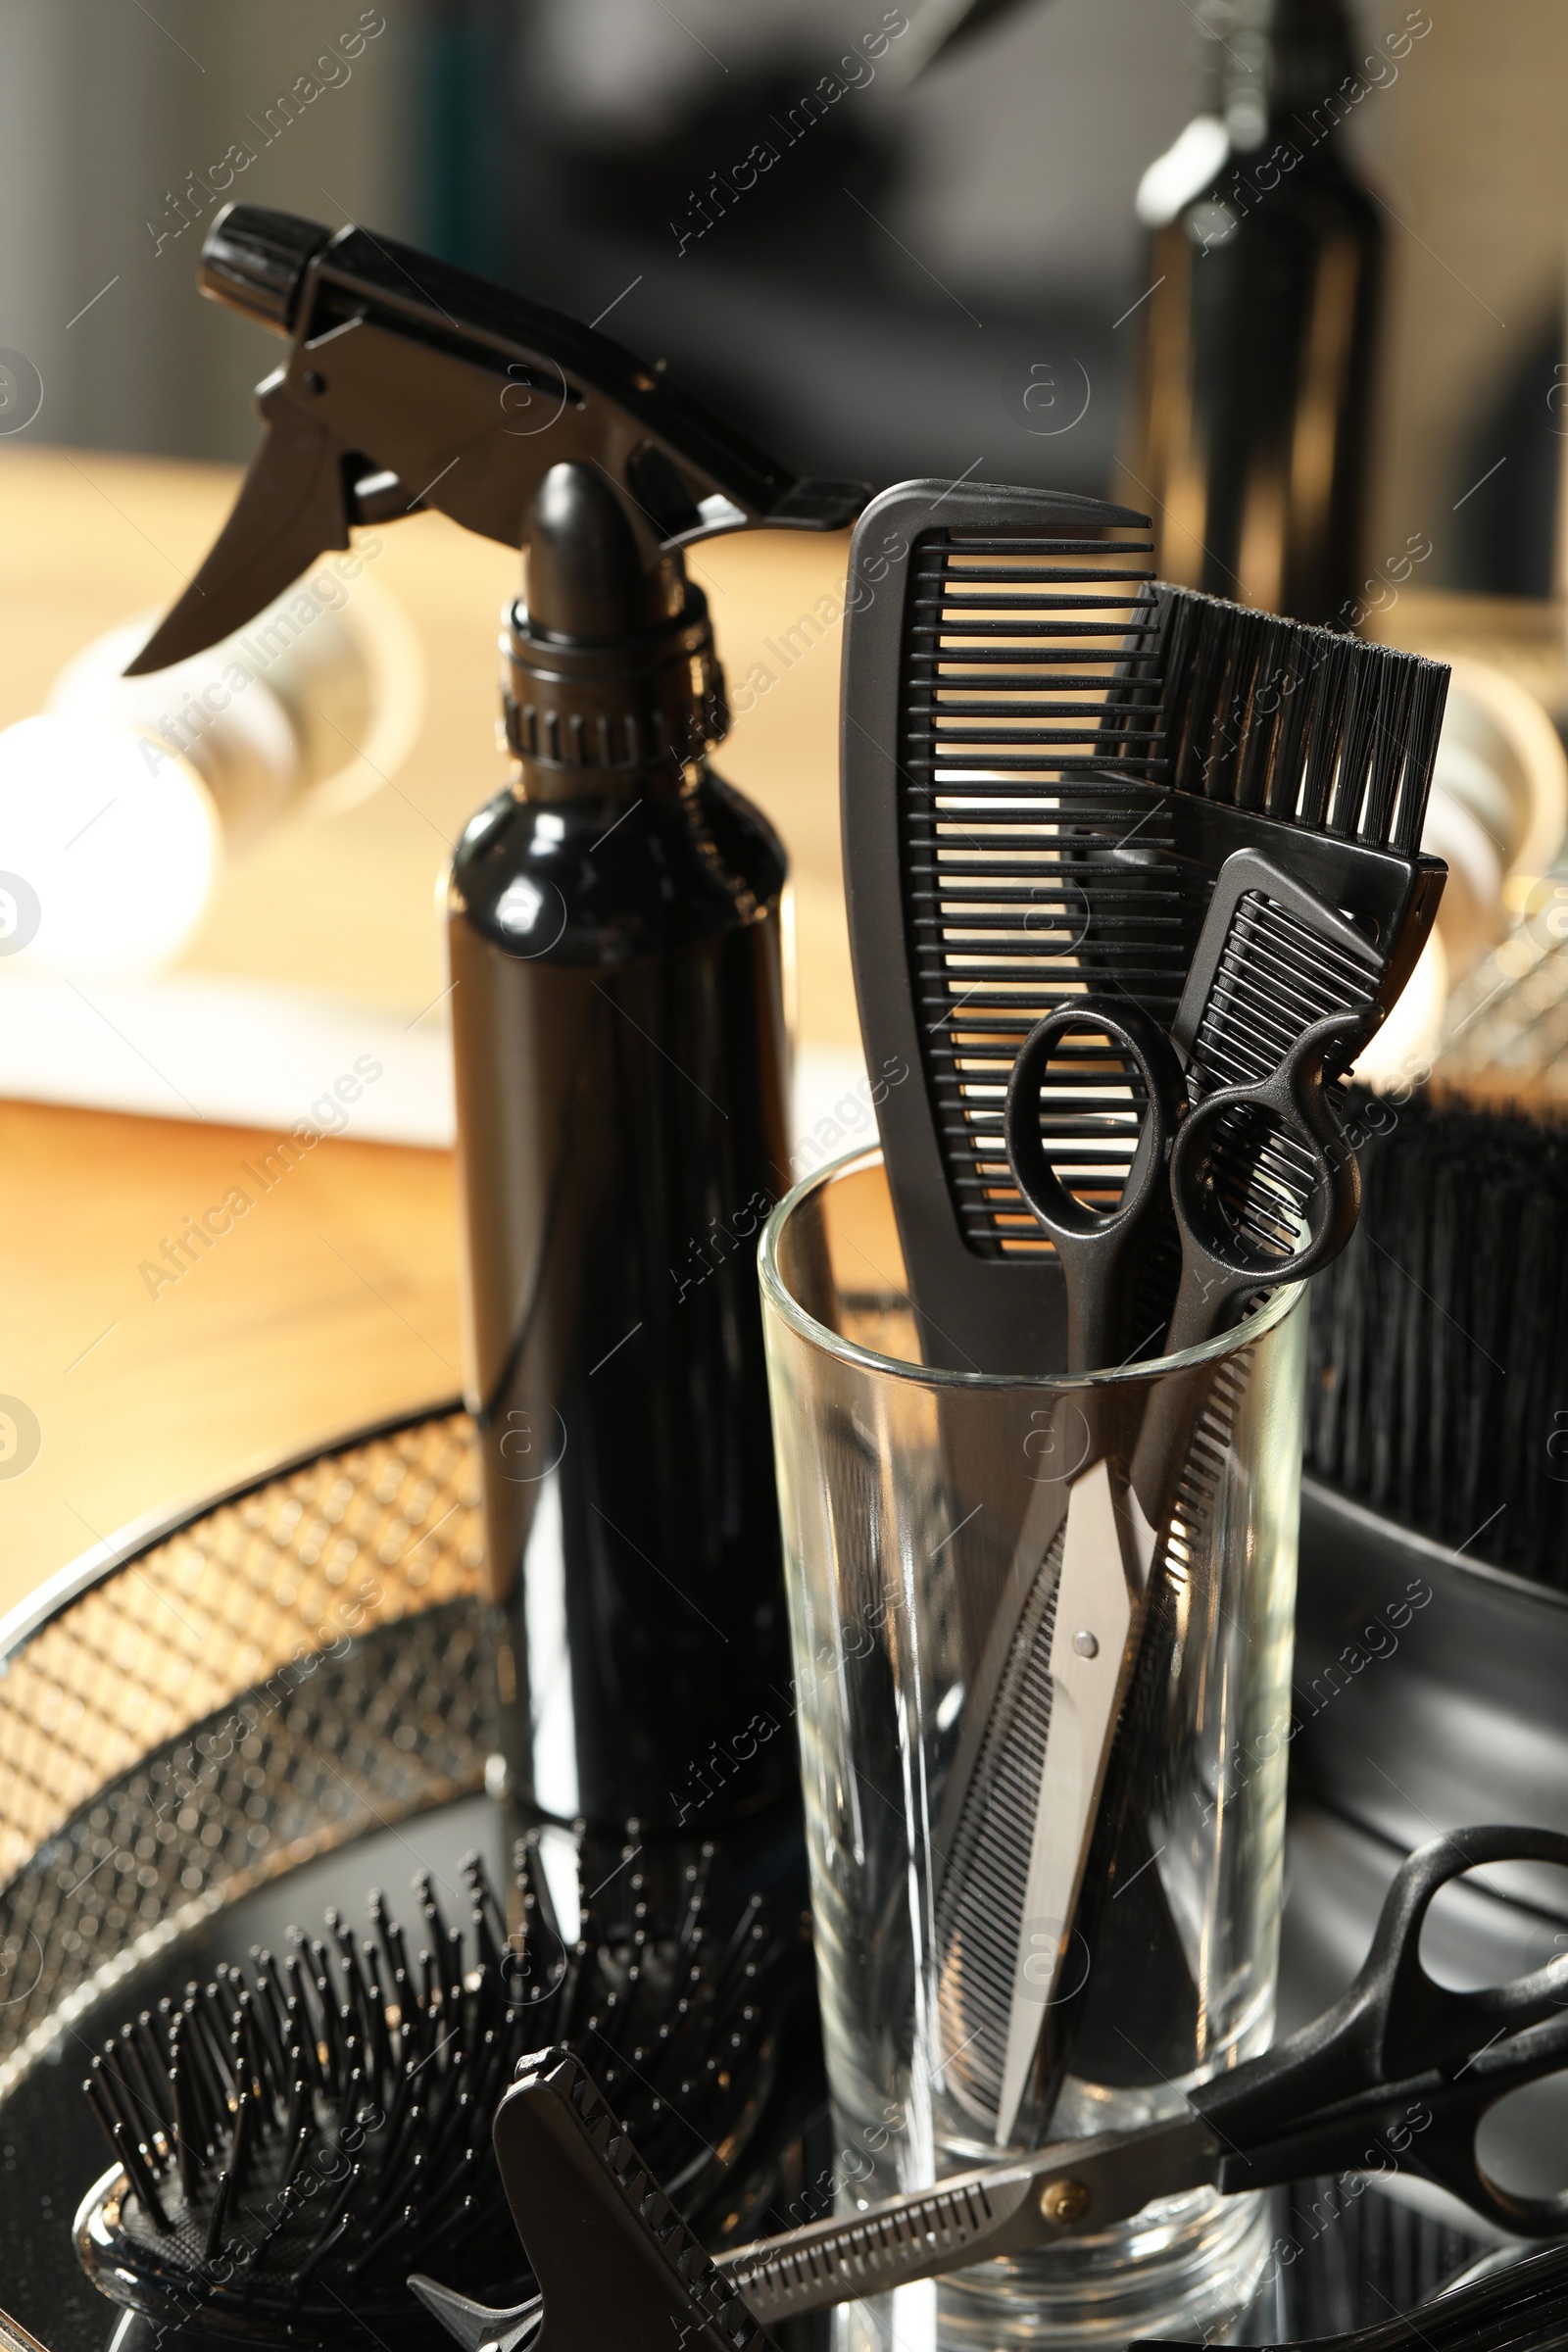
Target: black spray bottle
x=617, y=1007
x=621, y=1063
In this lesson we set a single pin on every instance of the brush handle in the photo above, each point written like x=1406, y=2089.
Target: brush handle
x=615, y=2265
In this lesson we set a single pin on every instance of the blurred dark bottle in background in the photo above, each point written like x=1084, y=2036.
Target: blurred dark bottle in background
x=1249, y=426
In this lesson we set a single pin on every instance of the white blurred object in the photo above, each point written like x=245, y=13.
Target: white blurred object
x=1501, y=764
x=1193, y=163
x=1506, y=1028
x=234, y=1052
x=308, y=708
x=246, y=1053
x=1497, y=813
x=1404, y=1045
x=119, y=804
x=107, y=856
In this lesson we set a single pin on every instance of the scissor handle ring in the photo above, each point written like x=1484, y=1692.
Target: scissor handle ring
x=1294, y=1096
x=1401, y=2071
x=1412, y=2013
x=1143, y=1042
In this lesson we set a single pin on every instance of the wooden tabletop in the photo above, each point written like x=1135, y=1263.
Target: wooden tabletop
x=336, y=1299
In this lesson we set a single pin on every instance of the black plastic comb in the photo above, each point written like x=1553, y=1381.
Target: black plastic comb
x=615, y=2265
x=1273, y=961
x=992, y=862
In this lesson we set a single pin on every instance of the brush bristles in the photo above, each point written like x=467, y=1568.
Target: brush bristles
x=324, y=2123
x=1438, y=1377
x=1301, y=724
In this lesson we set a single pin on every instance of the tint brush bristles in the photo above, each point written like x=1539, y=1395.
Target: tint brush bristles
x=297, y=2135
x=1302, y=726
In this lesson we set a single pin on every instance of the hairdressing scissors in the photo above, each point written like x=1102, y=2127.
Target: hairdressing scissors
x=1190, y=1167
x=1397, y=2075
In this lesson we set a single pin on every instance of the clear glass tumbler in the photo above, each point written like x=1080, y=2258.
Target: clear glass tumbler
x=925, y=1517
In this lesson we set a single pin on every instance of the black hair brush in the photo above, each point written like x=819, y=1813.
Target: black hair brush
x=293, y=2138
x=1437, y=1373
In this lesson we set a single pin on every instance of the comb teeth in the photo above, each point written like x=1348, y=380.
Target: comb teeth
x=1185, y=1538
x=1305, y=725
x=1184, y=1544
x=980, y=1906
x=1027, y=663
x=1052, y=697
x=1274, y=979
x=716, y=2296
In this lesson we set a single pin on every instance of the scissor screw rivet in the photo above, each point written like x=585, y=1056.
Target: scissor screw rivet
x=1085, y=1643
x=1064, y=2201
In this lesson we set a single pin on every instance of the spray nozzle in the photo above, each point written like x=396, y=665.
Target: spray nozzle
x=410, y=385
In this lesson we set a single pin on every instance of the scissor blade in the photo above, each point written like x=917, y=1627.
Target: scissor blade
x=973, y=2216
x=14, y=2337
x=1099, y=1615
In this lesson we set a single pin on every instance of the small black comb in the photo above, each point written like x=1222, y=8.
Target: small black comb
x=1273, y=960
x=617, y=2268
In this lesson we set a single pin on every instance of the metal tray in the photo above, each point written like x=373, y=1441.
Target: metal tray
x=266, y=1706
x=234, y=1695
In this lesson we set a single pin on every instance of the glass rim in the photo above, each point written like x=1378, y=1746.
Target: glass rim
x=781, y=1298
